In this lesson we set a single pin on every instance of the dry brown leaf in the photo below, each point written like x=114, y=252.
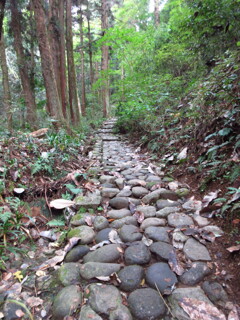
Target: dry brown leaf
x=174, y=263
x=52, y=262
x=61, y=203
x=147, y=241
x=19, y=313
x=71, y=243
x=209, y=198
x=90, y=186
x=114, y=237
x=88, y=221
x=200, y=310
x=34, y=302
x=139, y=216
x=234, y=248
x=233, y=315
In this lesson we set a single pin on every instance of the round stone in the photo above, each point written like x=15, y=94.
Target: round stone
x=179, y=219
x=76, y=253
x=121, y=313
x=162, y=250
x=66, y=302
x=195, y=274
x=119, y=202
x=103, y=235
x=108, y=253
x=196, y=251
x=103, y=299
x=92, y=270
x=126, y=220
x=69, y=273
x=160, y=275
x=161, y=204
x=88, y=313
x=137, y=253
x=148, y=211
x=146, y=304
x=163, y=213
x=100, y=223
x=215, y=292
x=129, y=233
x=139, y=192
x=85, y=233
x=118, y=214
x=109, y=192
x=157, y=234
x=131, y=277
x=151, y=222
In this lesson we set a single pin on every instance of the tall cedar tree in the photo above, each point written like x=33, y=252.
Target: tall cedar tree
x=5, y=77
x=83, y=102
x=53, y=101
x=23, y=64
x=105, y=60
x=72, y=83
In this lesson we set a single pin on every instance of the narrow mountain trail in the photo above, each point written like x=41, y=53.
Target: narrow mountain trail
x=137, y=249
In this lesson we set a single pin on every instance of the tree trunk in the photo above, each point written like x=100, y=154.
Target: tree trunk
x=54, y=103
x=5, y=82
x=90, y=46
x=72, y=84
x=105, y=58
x=23, y=65
x=2, y=7
x=83, y=102
x=156, y=13
x=63, y=76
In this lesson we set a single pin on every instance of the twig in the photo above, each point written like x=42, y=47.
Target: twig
x=46, y=199
x=164, y=301
x=23, y=306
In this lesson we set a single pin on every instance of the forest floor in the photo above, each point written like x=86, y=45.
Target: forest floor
x=35, y=171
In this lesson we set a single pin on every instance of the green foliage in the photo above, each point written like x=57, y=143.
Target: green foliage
x=56, y=223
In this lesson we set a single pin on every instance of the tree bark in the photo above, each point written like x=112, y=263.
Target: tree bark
x=54, y=103
x=105, y=61
x=23, y=65
x=83, y=102
x=156, y=13
x=63, y=75
x=5, y=82
x=2, y=7
x=90, y=45
x=72, y=84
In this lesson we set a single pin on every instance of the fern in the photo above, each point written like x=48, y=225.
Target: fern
x=5, y=216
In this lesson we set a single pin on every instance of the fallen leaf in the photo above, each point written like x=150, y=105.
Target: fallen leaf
x=34, y=302
x=52, y=262
x=200, y=310
x=132, y=207
x=139, y=216
x=49, y=234
x=114, y=237
x=61, y=203
x=183, y=154
x=234, y=248
x=173, y=185
x=99, y=245
x=1, y=315
x=104, y=278
x=71, y=243
x=150, y=169
x=236, y=221
x=233, y=315
x=192, y=205
x=209, y=198
x=88, y=221
x=90, y=186
x=40, y=273
x=174, y=263
x=147, y=241
x=18, y=275
x=19, y=313
x=120, y=249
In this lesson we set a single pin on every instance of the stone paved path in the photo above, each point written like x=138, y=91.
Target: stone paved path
x=145, y=255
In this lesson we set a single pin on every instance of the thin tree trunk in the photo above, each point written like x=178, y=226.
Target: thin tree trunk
x=2, y=7
x=54, y=103
x=72, y=84
x=105, y=58
x=156, y=13
x=83, y=102
x=63, y=76
x=5, y=82
x=23, y=66
x=90, y=46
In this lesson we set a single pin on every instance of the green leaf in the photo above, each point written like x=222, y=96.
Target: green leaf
x=224, y=132
x=73, y=188
x=56, y=223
